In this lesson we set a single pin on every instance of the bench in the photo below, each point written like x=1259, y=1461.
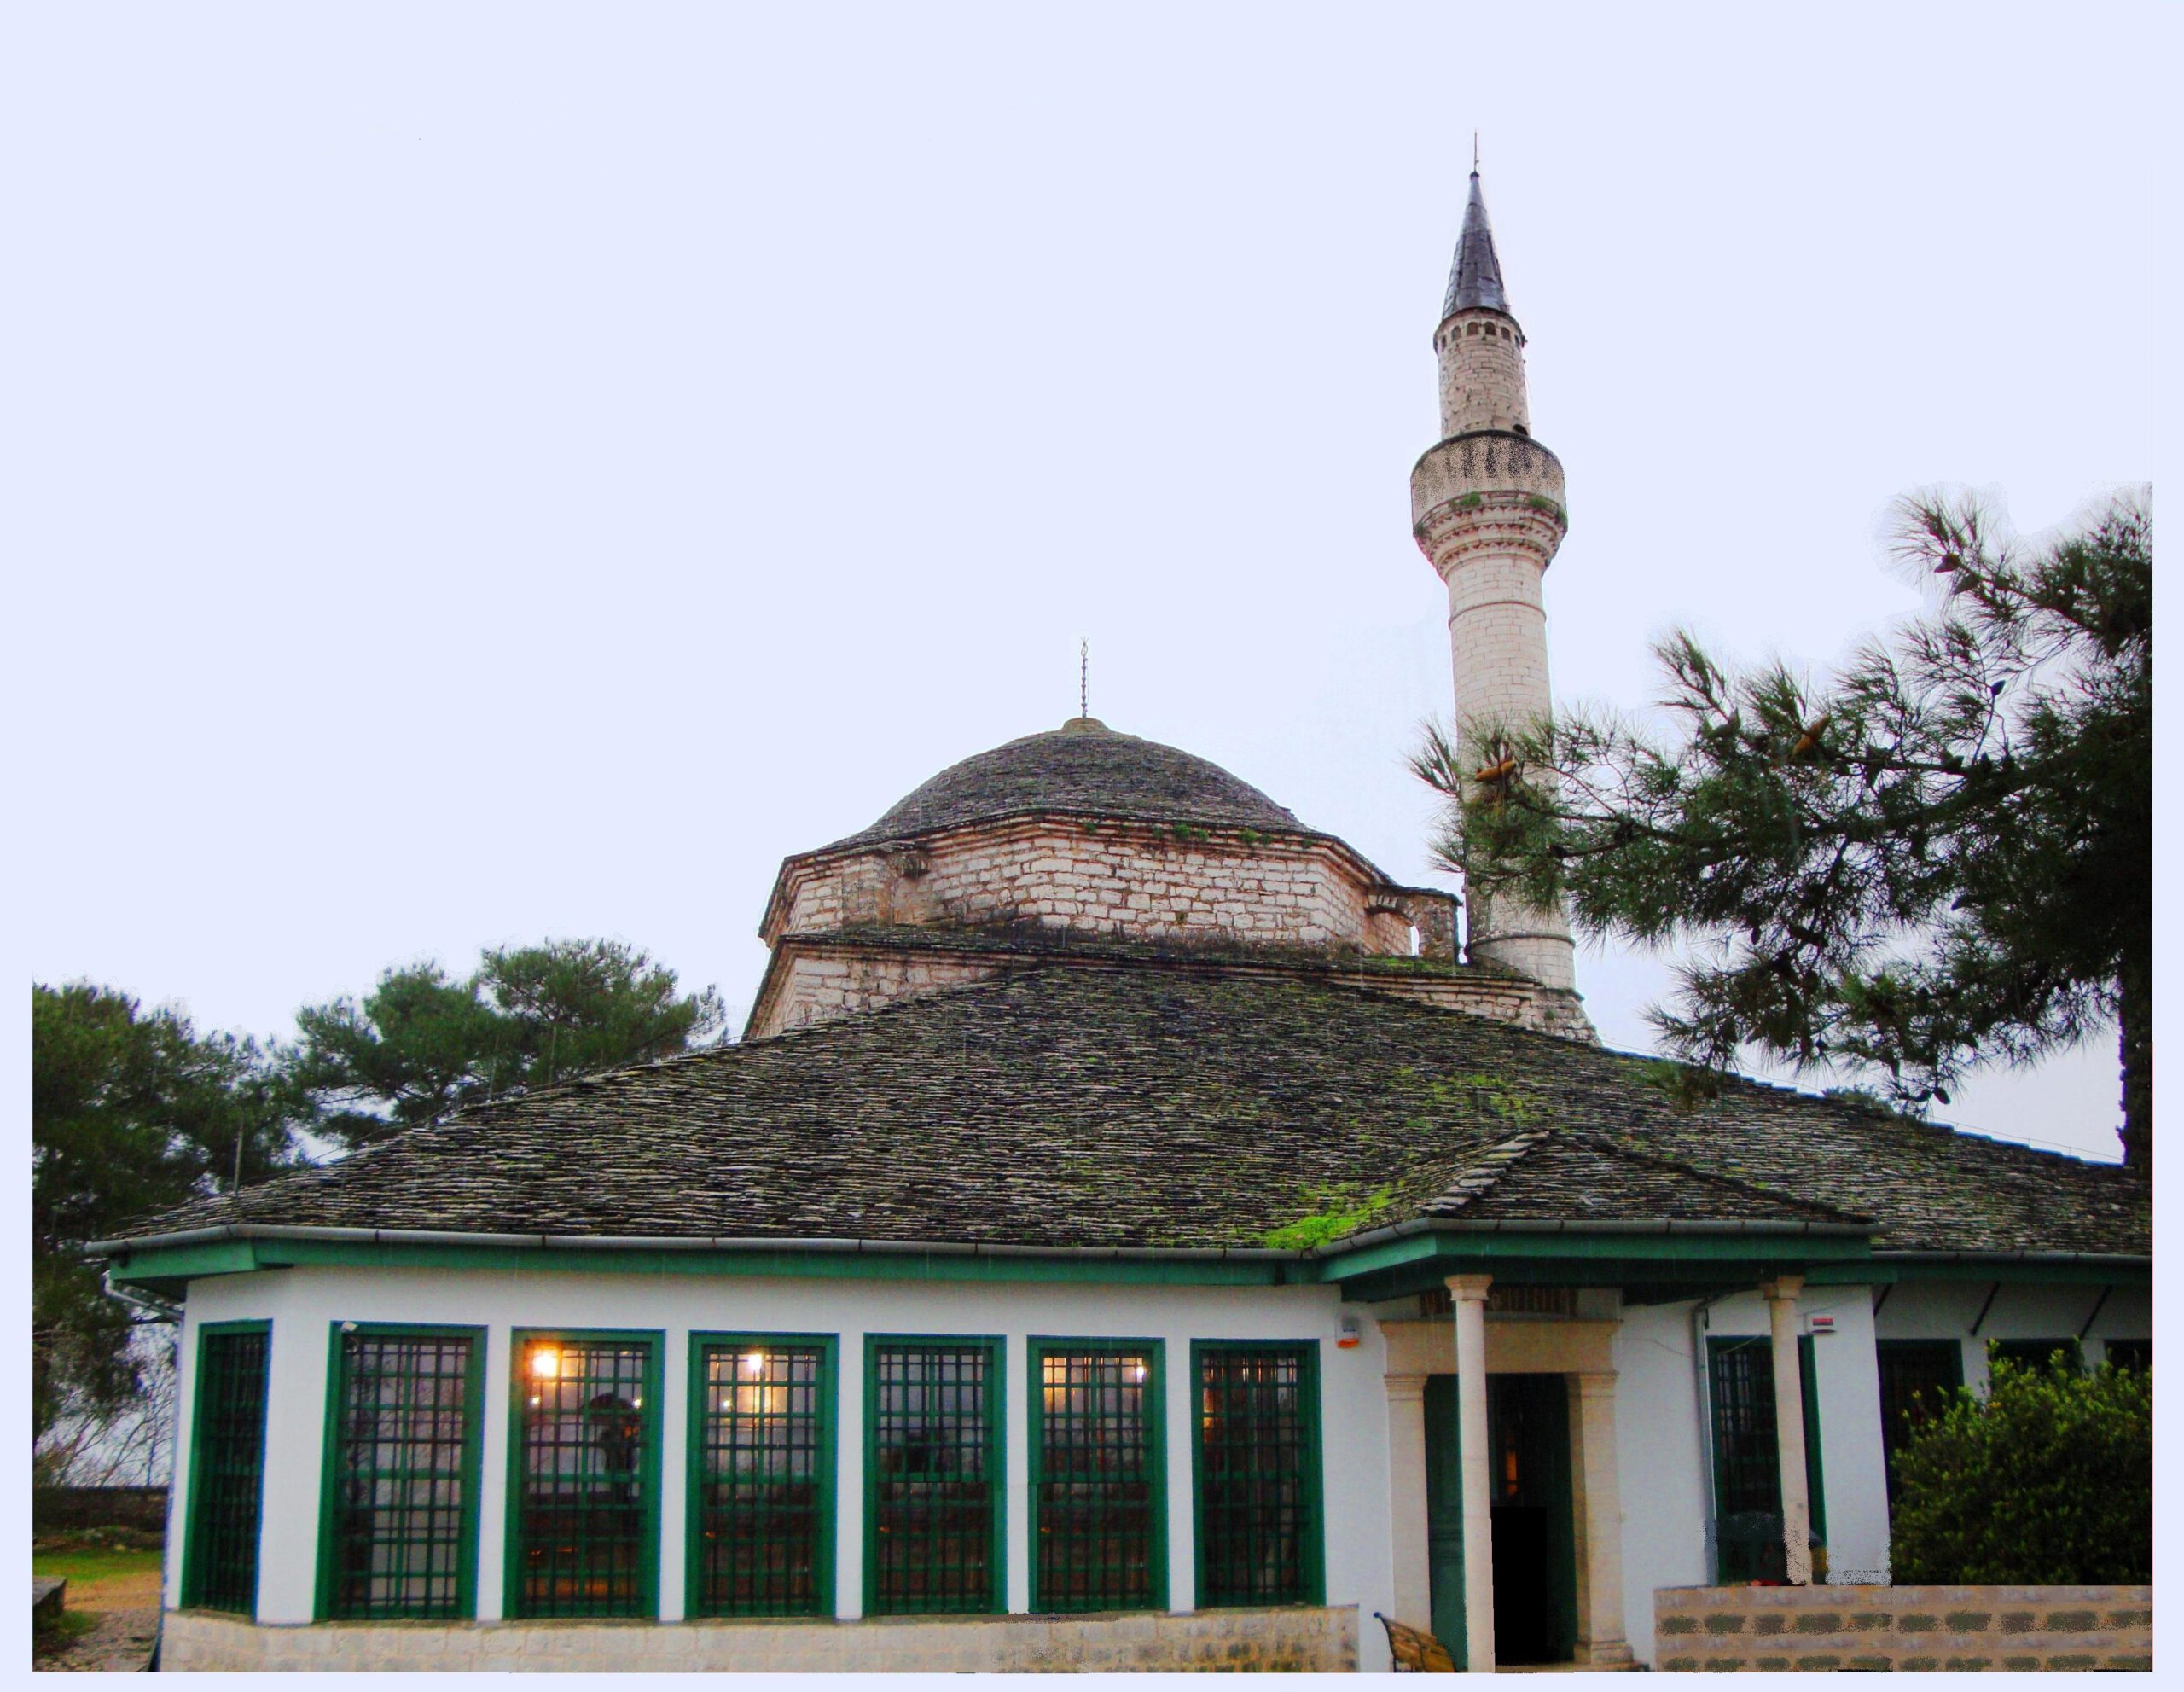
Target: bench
x=1414, y=1649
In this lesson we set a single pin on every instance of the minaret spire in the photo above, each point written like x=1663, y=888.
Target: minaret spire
x=1475, y=277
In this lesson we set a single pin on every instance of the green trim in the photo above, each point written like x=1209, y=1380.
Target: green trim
x=995, y=1410
x=1385, y=1268
x=654, y=1340
x=192, y=1574
x=2022, y=1274
x=1591, y=1248
x=823, y=1576
x=1808, y=1399
x=473, y=1425
x=169, y=1267
x=1042, y=1346
x=1313, y=1575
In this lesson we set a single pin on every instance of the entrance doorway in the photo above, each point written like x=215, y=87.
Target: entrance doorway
x=1534, y=1545
x=1535, y=1550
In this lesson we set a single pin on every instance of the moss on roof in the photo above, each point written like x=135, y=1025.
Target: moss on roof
x=1136, y=1108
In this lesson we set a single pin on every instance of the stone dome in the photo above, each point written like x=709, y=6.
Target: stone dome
x=1083, y=767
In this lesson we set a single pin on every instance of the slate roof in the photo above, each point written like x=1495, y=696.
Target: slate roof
x=1085, y=767
x=1063, y=1108
x=1475, y=278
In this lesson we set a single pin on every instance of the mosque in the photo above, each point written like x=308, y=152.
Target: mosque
x=1132, y=1233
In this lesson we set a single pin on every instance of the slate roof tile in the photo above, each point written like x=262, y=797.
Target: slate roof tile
x=1143, y=1107
x=1083, y=768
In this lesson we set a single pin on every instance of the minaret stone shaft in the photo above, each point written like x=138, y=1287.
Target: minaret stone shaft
x=1487, y=509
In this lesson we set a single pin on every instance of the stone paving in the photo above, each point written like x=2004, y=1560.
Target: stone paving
x=119, y=1640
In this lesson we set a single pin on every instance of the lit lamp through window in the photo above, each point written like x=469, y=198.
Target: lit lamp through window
x=545, y=1365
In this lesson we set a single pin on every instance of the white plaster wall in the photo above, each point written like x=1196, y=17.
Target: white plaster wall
x=1947, y=1309
x=302, y=1304
x=1853, y=1467
x=1666, y=1493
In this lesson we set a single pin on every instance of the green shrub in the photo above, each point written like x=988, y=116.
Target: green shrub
x=2047, y=1481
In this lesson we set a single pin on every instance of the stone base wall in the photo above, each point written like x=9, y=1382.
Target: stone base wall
x=819, y=988
x=1774, y=1628
x=1113, y=878
x=1301, y=1641
x=816, y=978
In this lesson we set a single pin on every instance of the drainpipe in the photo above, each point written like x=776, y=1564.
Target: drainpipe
x=1705, y=1399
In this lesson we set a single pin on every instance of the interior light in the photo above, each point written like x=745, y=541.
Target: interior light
x=1137, y=1371
x=545, y=1363
x=754, y=1363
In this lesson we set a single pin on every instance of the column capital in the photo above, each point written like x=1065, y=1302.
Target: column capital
x=1596, y=1386
x=1469, y=1286
x=1782, y=1287
x=1403, y=1388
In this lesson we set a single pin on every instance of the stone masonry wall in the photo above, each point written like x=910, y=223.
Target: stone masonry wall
x=1774, y=1628
x=1481, y=356
x=818, y=989
x=1102, y=878
x=1303, y=1641
x=835, y=978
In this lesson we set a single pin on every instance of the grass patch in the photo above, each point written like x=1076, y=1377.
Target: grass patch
x=72, y=1626
x=86, y=1568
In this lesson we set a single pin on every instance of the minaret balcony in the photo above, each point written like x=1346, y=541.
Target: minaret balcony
x=1468, y=467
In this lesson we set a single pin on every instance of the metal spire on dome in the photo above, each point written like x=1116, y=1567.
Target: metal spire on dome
x=1476, y=277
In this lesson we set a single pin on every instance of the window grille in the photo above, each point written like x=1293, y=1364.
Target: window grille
x=403, y=1481
x=228, y=1475
x=1747, y=1471
x=761, y=1513
x=1916, y=1378
x=1515, y=1298
x=1747, y=1458
x=1259, y=1475
x=933, y=1474
x=1096, y=1527
x=585, y=1447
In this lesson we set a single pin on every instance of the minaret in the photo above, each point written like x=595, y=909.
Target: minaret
x=1487, y=507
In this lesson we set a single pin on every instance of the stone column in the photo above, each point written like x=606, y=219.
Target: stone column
x=1468, y=1294
x=1598, y=1504
x=1414, y=1583
x=1781, y=1296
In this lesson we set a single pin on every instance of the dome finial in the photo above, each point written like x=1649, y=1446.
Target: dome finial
x=1083, y=678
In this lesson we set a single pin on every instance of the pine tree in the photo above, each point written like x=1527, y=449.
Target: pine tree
x=1941, y=857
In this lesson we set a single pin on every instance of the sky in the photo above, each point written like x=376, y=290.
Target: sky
x=495, y=472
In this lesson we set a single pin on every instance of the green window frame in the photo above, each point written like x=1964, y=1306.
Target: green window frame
x=934, y=1478
x=2128, y=1354
x=1747, y=1460
x=760, y=1533
x=227, y=1467
x=398, y=1484
x=1256, y=1474
x=2037, y=1354
x=1917, y=1379
x=583, y=1534
x=1098, y=1462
